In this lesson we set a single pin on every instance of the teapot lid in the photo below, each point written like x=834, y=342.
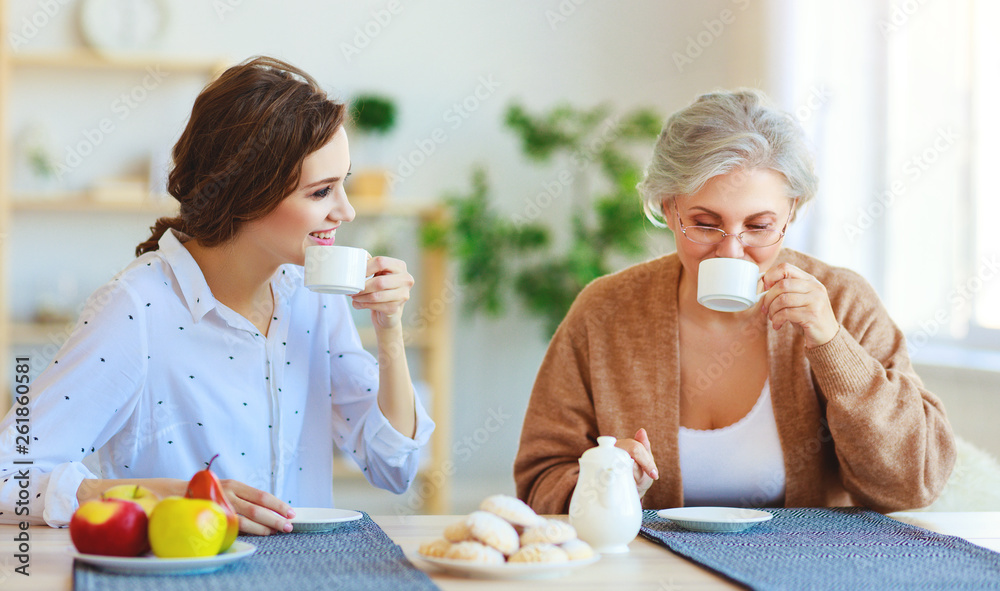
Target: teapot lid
x=606, y=454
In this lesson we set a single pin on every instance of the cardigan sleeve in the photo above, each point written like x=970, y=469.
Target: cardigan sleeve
x=892, y=439
x=560, y=423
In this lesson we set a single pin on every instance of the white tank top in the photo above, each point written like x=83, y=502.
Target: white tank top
x=740, y=465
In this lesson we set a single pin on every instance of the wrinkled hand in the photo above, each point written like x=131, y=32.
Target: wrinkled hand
x=797, y=297
x=644, y=470
x=260, y=513
x=385, y=292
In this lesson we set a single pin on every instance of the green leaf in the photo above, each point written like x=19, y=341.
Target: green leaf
x=549, y=276
x=373, y=113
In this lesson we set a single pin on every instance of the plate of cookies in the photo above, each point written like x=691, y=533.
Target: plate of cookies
x=506, y=539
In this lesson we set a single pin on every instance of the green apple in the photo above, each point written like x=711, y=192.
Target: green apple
x=110, y=527
x=183, y=528
x=135, y=493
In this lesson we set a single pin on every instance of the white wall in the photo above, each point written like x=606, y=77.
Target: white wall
x=972, y=399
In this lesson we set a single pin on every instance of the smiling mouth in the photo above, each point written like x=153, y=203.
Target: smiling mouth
x=323, y=235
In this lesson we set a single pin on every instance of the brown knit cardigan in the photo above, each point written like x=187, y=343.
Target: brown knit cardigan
x=855, y=423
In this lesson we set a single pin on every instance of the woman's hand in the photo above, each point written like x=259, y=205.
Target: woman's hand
x=644, y=470
x=797, y=297
x=385, y=292
x=260, y=513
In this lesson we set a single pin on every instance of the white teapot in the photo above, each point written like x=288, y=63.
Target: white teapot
x=605, y=507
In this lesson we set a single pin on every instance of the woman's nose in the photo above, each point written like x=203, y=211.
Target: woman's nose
x=342, y=209
x=730, y=248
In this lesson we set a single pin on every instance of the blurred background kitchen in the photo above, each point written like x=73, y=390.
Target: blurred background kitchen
x=503, y=140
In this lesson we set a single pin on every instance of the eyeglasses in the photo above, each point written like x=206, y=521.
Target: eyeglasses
x=748, y=238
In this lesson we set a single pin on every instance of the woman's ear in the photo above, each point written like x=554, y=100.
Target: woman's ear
x=667, y=208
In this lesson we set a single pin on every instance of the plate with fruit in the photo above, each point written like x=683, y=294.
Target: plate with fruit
x=130, y=529
x=319, y=519
x=150, y=564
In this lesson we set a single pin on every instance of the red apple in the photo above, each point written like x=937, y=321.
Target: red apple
x=110, y=527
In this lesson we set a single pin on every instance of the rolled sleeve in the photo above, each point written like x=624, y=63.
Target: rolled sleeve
x=60, y=493
x=389, y=445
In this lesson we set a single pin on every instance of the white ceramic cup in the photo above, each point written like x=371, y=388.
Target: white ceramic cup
x=728, y=285
x=336, y=269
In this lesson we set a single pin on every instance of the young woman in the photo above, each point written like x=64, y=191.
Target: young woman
x=208, y=343
x=806, y=399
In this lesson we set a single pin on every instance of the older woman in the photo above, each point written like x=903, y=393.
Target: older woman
x=806, y=399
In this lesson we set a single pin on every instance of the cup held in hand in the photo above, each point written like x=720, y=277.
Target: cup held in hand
x=728, y=285
x=335, y=269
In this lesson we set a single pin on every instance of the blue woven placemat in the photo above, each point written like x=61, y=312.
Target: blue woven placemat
x=357, y=555
x=841, y=548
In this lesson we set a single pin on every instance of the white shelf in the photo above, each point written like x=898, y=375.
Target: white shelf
x=80, y=202
x=87, y=59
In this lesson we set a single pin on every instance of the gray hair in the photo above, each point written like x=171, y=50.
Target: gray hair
x=722, y=132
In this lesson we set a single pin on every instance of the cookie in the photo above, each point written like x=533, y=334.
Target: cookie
x=435, y=548
x=458, y=532
x=539, y=553
x=493, y=531
x=577, y=549
x=514, y=510
x=550, y=531
x=474, y=552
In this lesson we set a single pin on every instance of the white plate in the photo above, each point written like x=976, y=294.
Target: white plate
x=714, y=519
x=526, y=570
x=318, y=519
x=151, y=565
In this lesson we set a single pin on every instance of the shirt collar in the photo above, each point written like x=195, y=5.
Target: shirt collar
x=191, y=281
x=194, y=289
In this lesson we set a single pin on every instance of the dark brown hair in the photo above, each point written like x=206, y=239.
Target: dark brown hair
x=242, y=150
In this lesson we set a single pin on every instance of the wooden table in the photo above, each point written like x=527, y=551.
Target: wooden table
x=646, y=566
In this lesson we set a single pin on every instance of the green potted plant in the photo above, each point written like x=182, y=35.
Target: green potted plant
x=502, y=257
x=372, y=116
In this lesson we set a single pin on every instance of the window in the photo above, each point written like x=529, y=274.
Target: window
x=983, y=168
x=942, y=242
